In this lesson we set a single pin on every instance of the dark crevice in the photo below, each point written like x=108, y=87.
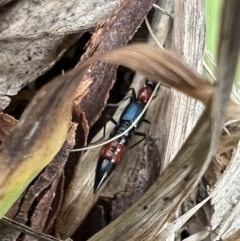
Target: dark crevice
x=184, y=235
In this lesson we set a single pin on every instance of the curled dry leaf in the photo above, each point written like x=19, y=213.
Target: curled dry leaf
x=168, y=69
x=36, y=138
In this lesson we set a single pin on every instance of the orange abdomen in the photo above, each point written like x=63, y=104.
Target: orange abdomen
x=113, y=151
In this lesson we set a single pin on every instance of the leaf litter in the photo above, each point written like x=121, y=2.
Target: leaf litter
x=181, y=175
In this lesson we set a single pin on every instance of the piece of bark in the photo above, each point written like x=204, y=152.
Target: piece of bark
x=41, y=210
x=7, y=124
x=94, y=222
x=81, y=135
x=34, y=206
x=55, y=207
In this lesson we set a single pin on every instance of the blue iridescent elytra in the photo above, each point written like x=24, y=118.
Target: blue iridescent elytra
x=132, y=111
x=129, y=115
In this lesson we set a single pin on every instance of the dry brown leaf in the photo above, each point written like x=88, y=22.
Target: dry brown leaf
x=34, y=35
x=169, y=69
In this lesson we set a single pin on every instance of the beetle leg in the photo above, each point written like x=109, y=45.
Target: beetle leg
x=119, y=103
x=146, y=121
x=134, y=96
x=144, y=135
x=108, y=118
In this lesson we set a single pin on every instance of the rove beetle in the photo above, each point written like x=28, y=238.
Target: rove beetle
x=113, y=152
